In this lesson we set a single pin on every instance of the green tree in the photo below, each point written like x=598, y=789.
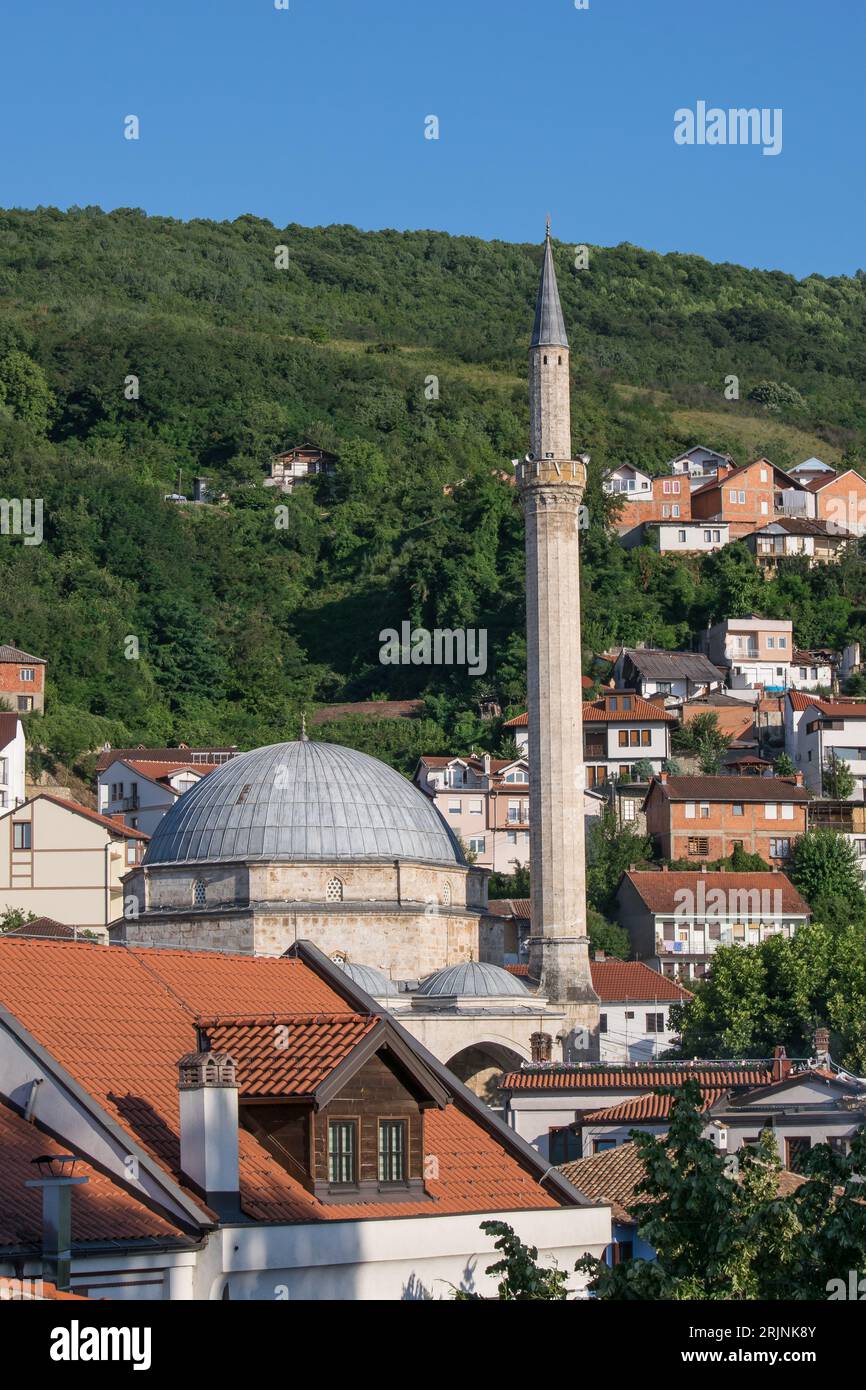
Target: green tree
x=824, y=864
x=837, y=779
x=606, y=936
x=609, y=852
x=521, y=1278
x=703, y=738
x=784, y=766
x=13, y=917
x=25, y=392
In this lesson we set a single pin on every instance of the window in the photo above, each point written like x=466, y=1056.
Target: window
x=708, y=536
x=476, y=844
x=655, y=1023
x=518, y=776
x=771, y=642
x=21, y=834
x=511, y=837
x=691, y=810
x=737, y=808
x=783, y=642
x=629, y=1013
x=681, y=537
x=446, y=894
x=392, y=1150
x=199, y=893
x=787, y=810
x=626, y=702
x=666, y=511
x=796, y=1147
x=698, y=845
x=334, y=890
x=621, y=1250
x=341, y=1151
x=622, y=738
x=25, y=702
x=131, y=851
x=476, y=807
x=600, y=1146
x=563, y=1144
x=780, y=848
x=454, y=808
x=645, y=738
x=675, y=509
x=771, y=810
x=705, y=810
x=763, y=475
x=717, y=535
x=27, y=674
x=602, y=1023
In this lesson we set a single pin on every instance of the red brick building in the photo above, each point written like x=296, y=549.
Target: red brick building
x=743, y=497
x=668, y=499
x=704, y=818
x=22, y=679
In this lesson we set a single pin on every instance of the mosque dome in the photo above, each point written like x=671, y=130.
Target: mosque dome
x=476, y=978
x=301, y=802
x=368, y=978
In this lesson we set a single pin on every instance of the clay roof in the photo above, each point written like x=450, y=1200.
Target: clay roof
x=510, y=907
x=724, y=788
x=641, y=711
x=823, y=480
x=833, y=709
x=116, y=827
x=118, y=1019
x=288, y=1055
x=632, y=980
x=15, y=654
x=42, y=926
x=642, y=1109
x=101, y=1209
x=520, y=970
x=175, y=757
x=658, y=888
x=640, y=1077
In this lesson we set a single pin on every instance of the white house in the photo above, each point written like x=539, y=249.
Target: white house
x=700, y=464
x=821, y=729
x=621, y=730
x=141, y=784
x=676, y=675
x=628, y=479
x=634, y=1017
x=679, y=537
x=12, y=761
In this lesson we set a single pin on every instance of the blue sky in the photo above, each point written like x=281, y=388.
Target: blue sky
x=316, y=115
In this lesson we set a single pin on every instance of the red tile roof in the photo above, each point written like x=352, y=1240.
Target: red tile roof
x=641, y=712
x=510, y=907
x=725, y=788
x=521, y=970
x=101, y=1209
x=289, y=1054
x=834, y=709
x=119, y=1019
x=43, y=926
x=641, y=1077
x=15, y=655
x=641, y=1109
x=658, y=888
x=123, y=832
x=624, y=980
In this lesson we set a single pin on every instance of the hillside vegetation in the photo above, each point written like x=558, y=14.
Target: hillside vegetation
x=240, y=622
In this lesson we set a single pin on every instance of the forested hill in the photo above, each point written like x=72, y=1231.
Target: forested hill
x=241, y=623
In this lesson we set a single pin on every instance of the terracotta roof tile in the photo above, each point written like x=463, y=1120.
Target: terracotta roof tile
x=659, y=888
x=641, y=711
x=621, y=980
x=119, y=1019
x=288, y=1054
x=641, y=1109
x=185, y=756
x=725, y=788
x=642, y=1077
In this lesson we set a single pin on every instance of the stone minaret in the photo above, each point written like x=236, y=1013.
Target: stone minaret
x=551, y=486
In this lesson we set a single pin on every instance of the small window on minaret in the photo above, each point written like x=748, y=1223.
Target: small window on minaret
x=559, y=360
x=545, y=359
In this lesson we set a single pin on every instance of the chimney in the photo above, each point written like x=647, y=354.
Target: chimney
x=209, y=1128
x=57, y=1179
x=781, y=1064
x=541, y=1045
x=662, y=776
x=821, y=1045
x=599, y=955
x=486, y=764
x=798, y=779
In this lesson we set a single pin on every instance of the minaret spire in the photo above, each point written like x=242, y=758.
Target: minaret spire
x=551, y=484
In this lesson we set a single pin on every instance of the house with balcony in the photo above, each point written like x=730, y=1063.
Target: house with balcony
x=141, y=784
x=676, y=921
x=298, y=465
x=677, y=676
x=12, y=761
x=485, y=802
x=824, y=729
x=621, y=730
x=706, y=818
x=792, y=538
x=645, y=499
x=755, y=652
x=22, y=680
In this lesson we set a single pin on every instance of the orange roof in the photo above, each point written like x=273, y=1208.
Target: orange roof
x=641, y=711
x=615, y=980
x=641, y=1109
x=119, y=1019
x=641, y=1077
x=124, y=832
x=658, y=888
x=101, y=1210
x=290, y=1054
x=836, y=709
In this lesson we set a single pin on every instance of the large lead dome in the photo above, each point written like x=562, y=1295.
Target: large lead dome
x=299, y=802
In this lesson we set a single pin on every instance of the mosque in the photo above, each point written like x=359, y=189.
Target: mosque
x=313, y=841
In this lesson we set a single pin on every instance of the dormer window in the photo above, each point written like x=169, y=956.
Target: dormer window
x=392, y=1150
x=342, y=1152
x=199, y=893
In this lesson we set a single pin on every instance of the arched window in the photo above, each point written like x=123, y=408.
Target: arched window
x=199, y=893
x=545, y=359
x=446, y=895
x=334, y=890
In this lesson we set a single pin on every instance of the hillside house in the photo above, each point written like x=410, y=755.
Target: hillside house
x=791, y=538
x=821, y=729
x=706, y=818
x=678, y=537
x=22, y=680
x=141, y=784
x=755, y=652
x=298, y=465
x=677, y=921
x=676, y=675
x=744, y=497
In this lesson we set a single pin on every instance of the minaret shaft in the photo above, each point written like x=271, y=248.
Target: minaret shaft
x=551, y=486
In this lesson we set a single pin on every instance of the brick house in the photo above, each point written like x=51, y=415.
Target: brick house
x=22, y=679
x=744, y=497
x=840, y=501
x=652, y=499
x=676, y=921
x=703, y=818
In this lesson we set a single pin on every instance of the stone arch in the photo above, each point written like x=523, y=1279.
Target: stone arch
x=480, y=1064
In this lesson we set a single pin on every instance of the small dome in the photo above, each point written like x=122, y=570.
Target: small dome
x=301, y=802
x=475, y=978
x=368, y=978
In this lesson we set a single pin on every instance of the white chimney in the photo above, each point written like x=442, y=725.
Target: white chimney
x=209, y=1128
